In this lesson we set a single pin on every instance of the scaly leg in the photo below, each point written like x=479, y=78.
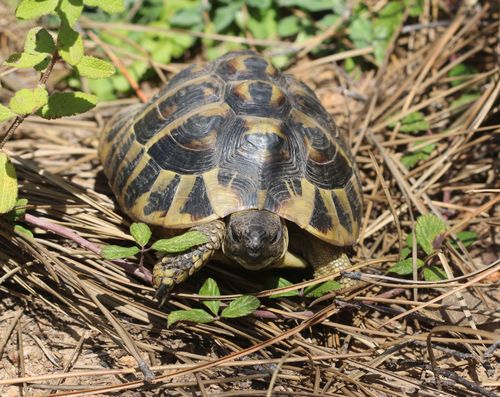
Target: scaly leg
x=174, y=269
x=327, y=259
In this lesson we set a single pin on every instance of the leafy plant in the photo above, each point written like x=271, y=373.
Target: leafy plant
x=312, y=291
x=240, y=307
x=428, y=232
x=141, y=233
x=41, y=51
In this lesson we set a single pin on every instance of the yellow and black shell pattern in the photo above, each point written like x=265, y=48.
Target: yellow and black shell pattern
x=235, y=134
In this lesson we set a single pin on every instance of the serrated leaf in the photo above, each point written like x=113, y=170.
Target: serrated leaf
x=113, y=252
x=434, y=273
x=69, y=44
x=63, y=104
x=141, y=233
x=110, y=6
x=242, y=306
x=70, y=10
x=26, y=100
x=428, y=227
x=411, y=159
x=405, y=266
x=187, y=17
x=94, y=68
x=210, y=288
x=24, y=60
x=29, y=9
x=361, y=32
x=180, y=243
x=39, y=41
x=289, y=26
x=6, y=113
x=467, y=237
x=22, y=229
x=318, y=290
x=461, y=69
x=8, y=184
x=279, y=282
x=414, y=123
x=192, y=315
x=224, y=16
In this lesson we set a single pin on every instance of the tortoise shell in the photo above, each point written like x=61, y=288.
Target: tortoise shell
x=235, y=134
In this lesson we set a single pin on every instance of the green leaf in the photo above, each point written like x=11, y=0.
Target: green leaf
x=405, y=266
x=112, y=252
x=141, y=233
x=413, y=123
x=266, y=27
x=361, y=32
x=404, y=253
x=434, y=273
x=69, y=44
x=411, y=159
x=110, y=6
x=210, y=288
x=39, y=41
x=62, y=104
x=314, y=5
x=461, y=69
x=261, y=4
x=26, y=101
x=8, y=184
x=24, y=60
x=6, y=113
x=94, y=68
x=187, y=17
x=464, y=99
x=192, y=315
x=242, y=306
x=20, y=209
x=416, y=7
x=317, y=290
x=467, y=237
x=70, y=10
x=289, y=26
x=22, y=229
x=327, y=21
x=428, y=227
x=279, y=282
x=224, y=16
x=29, y=9
x=392, y=9
x=180, y=243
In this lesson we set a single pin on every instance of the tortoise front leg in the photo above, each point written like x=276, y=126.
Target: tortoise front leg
x=174, y=269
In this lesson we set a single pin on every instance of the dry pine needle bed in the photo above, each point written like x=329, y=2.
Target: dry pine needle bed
x=73, y=323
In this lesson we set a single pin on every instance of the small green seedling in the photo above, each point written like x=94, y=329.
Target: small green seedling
x=429, y=230
x=141, y=233
x=240, y=307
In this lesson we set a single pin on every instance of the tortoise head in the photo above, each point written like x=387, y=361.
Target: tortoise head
x=256, y=239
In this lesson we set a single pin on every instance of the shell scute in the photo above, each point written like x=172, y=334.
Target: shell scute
x=235, y=134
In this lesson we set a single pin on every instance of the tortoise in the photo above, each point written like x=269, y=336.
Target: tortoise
x=246, y=155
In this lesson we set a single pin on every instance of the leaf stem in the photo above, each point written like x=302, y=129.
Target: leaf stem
x=19, y=119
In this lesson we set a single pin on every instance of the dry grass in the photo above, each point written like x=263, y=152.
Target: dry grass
x=73, y=324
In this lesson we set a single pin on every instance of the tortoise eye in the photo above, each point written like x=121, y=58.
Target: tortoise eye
x=234, y=235
x=276, y=237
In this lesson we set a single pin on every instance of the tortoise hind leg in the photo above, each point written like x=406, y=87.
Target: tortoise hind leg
x=174, y=269
x=327, y=259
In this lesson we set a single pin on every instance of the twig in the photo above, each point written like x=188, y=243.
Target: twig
x=119, y=64
x=67, y=233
